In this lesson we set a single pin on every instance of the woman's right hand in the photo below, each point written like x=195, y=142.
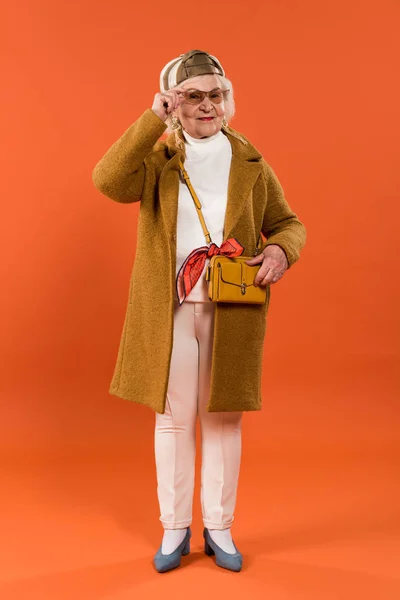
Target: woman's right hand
x=173, y=98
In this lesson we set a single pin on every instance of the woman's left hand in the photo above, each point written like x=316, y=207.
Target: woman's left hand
x=274, y=265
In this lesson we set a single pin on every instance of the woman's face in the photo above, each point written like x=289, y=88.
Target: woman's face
x=190, y=115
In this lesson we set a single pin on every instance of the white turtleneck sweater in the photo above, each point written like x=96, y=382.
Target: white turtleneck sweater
x=207, y=163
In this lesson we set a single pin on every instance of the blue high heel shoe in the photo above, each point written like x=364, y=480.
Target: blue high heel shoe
x=166, y=562
x=233, y=562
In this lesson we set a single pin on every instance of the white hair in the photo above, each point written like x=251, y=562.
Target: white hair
x=225, y=84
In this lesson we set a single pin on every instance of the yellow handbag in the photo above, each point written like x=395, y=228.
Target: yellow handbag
x=230, y=279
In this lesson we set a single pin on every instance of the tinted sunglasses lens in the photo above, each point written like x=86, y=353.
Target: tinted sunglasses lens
x=194, y=96
x=216, y=97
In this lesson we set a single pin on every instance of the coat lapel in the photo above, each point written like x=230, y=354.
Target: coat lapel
x=242, y=177
x=169, y=191
x=245, y=168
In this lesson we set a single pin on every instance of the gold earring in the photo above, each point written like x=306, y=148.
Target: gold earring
x=175, y=124
x=224, y=122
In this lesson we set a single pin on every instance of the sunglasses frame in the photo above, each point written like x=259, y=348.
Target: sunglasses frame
x=204, y=94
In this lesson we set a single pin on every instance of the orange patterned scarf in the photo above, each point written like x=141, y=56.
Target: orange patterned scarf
x=193, y=265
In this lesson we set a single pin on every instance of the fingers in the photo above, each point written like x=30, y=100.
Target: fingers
x=271, y=277
x=274, y=265
x=255, y=260
x=166, y=102
x=173, y=98
x=270, y=271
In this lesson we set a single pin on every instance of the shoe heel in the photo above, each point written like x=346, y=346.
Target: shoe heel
x=207, y=549
x=186, y=549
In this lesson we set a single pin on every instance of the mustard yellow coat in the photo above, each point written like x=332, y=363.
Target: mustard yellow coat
x=141, y=167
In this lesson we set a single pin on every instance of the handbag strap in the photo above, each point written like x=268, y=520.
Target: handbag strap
x=196, y=202
x=198, y=207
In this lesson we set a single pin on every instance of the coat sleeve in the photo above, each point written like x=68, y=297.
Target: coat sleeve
x=120, y=174
x=281, y=225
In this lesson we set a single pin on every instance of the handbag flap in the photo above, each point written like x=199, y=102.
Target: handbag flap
x=236, y=272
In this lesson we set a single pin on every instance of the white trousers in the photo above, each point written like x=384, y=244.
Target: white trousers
x=175, y=430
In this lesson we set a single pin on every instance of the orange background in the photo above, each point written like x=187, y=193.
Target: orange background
x=317, y=93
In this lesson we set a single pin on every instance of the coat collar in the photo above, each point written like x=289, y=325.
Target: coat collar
x=246, y=166
x=241, y=147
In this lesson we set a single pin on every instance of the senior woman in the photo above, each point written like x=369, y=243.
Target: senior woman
x=182, y=354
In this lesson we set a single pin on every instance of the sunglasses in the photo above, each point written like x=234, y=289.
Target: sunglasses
x=196, y=96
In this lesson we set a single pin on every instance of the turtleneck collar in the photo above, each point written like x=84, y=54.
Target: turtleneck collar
x=193, y=141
